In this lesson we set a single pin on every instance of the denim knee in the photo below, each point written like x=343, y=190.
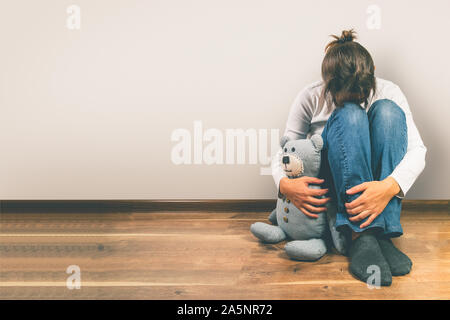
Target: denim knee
x=386, y=112
x=351, y=114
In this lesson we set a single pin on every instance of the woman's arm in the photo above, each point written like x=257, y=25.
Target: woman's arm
x=413, y=163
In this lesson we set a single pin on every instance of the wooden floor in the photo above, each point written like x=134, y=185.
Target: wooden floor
x=198, y=255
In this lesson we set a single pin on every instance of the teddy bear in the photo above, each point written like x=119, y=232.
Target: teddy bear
x=307, y=235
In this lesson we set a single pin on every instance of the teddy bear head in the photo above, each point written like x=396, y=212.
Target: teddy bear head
x=301, y=157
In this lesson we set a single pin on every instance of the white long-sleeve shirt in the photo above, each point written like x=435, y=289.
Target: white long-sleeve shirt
x=310, y=112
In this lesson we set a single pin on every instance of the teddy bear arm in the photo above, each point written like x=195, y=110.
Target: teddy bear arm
x=273, y=217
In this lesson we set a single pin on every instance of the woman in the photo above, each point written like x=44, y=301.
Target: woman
x=372, y=155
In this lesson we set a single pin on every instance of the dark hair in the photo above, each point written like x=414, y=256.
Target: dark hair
x=347, y=70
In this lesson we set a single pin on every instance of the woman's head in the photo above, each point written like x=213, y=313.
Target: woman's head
x=348, y=71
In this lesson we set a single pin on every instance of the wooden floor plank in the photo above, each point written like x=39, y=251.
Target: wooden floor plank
x=198, y=255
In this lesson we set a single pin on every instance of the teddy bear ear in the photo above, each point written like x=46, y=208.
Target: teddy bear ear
x=283, y=140
x=317, y=141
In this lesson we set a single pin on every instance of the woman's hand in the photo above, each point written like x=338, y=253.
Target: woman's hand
x=297, y=191
x=375, y=197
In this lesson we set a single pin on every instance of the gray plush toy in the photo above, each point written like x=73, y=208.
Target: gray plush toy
x=301, y=158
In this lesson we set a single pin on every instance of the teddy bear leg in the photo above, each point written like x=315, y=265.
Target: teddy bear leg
x=273, y=217
x=341, y=240
x=267, y=233
x=306, y=250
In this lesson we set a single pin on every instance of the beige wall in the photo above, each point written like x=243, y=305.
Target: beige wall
x=89, y=113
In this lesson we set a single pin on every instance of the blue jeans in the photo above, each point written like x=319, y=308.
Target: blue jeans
x=362, y=146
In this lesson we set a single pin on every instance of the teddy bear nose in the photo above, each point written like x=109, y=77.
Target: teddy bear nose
x=285, y=159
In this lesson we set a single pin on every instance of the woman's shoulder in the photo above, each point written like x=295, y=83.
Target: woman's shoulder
x=314, y=88
x=308, y=97
x=385, y=87
x=310, y=93
x=389, y=90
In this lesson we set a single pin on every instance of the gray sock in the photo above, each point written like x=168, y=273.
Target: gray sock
x=399, y=262
x=365, y=253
